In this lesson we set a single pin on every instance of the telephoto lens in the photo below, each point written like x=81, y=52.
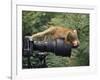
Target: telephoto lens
x=58, y=47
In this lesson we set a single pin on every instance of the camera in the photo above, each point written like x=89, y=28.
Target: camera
x=40, y=50
x=58, y=47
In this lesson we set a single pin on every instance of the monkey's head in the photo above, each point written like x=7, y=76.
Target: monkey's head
x=73, y=38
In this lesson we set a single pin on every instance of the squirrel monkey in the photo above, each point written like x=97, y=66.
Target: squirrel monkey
x=69, y=35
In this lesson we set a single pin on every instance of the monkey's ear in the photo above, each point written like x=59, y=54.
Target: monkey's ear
x=75, y=31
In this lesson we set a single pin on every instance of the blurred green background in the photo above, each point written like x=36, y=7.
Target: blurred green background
x=35, y=21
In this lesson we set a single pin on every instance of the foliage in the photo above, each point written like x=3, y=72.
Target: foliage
x=33, y=22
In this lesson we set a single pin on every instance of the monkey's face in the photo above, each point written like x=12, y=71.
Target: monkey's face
x=73, y=38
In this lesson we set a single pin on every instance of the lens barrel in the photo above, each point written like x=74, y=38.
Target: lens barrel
x=56, y=46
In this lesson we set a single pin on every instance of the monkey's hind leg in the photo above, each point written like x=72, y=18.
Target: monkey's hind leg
x=42, y=34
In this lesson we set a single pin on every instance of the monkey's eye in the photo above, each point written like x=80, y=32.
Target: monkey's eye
x=72, y=38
